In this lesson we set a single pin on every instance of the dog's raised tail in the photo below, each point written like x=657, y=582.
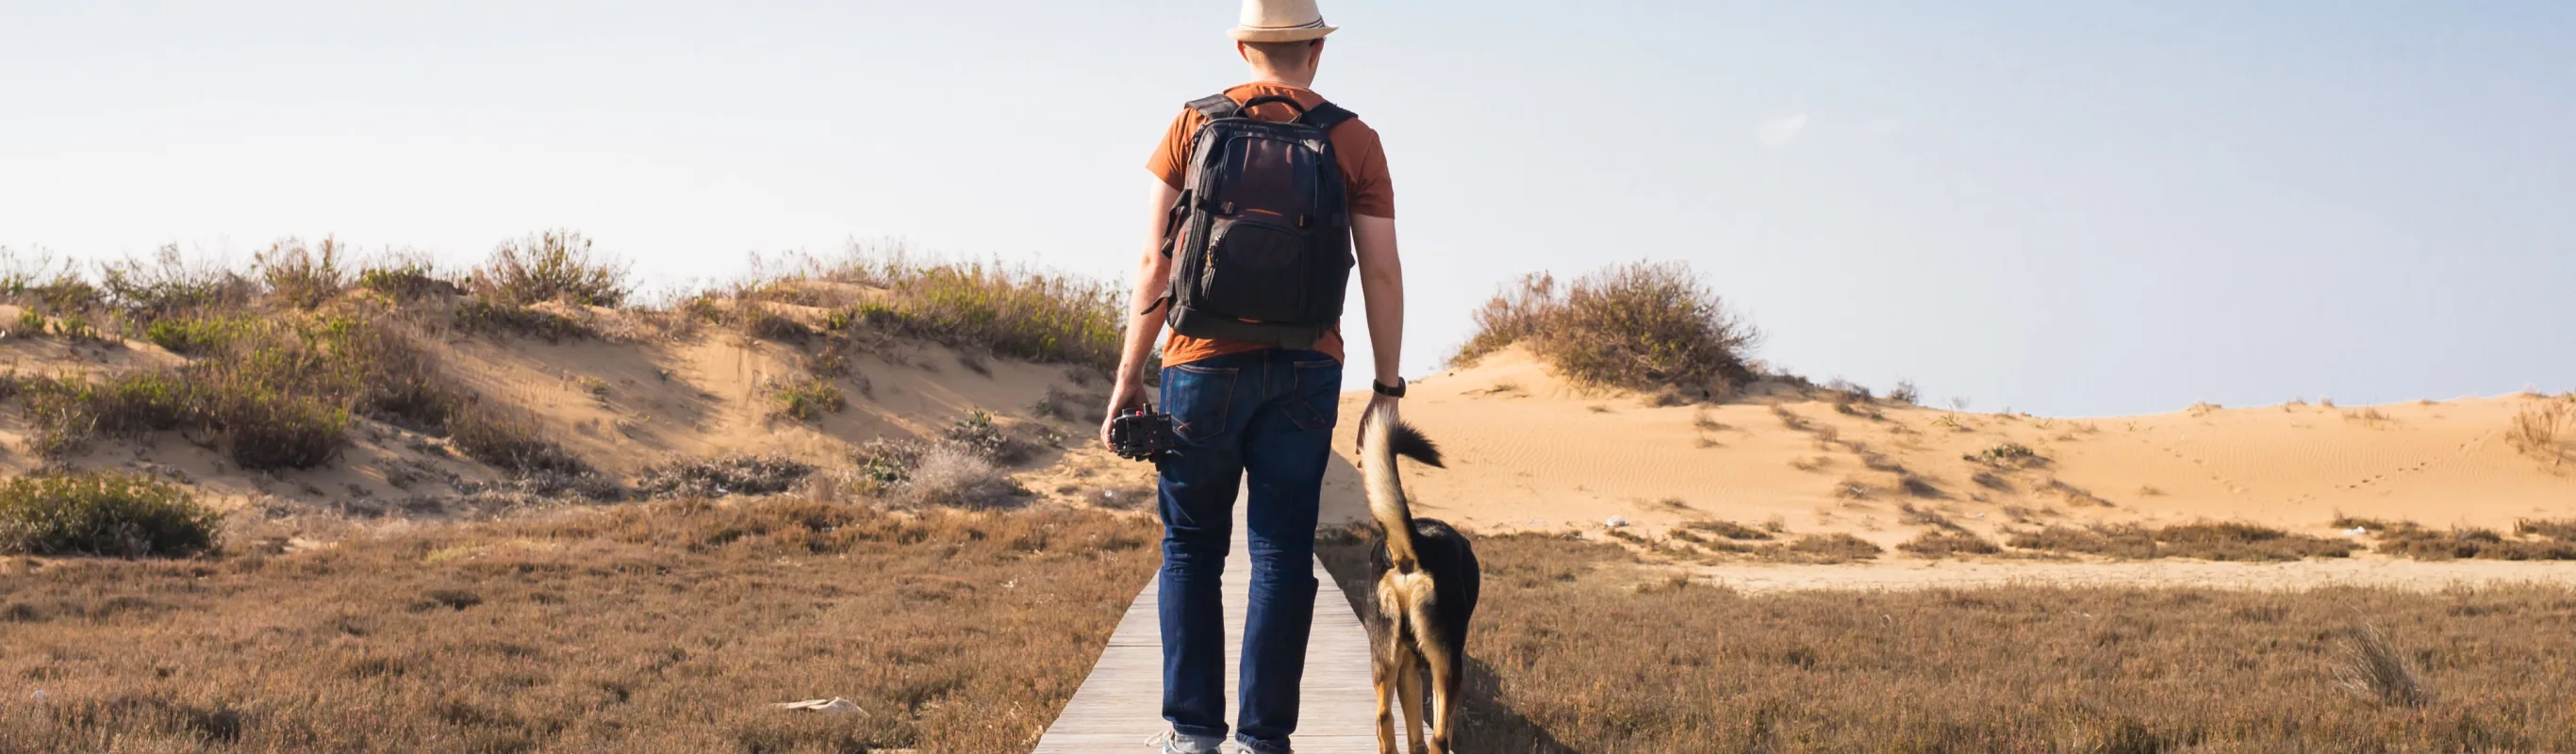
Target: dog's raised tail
x=1386, y=438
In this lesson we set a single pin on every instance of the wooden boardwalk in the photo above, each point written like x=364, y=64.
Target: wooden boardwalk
x=1120, y=706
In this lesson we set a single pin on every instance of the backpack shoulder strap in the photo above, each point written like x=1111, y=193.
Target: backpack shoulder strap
x=1216, y=106
x=1325, y=116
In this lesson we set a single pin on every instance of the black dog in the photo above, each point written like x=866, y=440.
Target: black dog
x=1425, y=590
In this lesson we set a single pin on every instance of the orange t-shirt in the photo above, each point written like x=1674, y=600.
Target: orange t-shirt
x=1355, y=149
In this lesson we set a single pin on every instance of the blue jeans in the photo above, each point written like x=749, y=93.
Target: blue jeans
x=1269, y=414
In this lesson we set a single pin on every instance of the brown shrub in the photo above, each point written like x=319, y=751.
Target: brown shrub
x=1727, y=529
x=717, y=477
x=1823, y=548
x=555, y=265
x=2207, y=540
x=1941, y=544
x=955, y=475
x=302, y=276
x=2406, y=539
x=2541, y=428
x=1639, y=326
x=2561, y=529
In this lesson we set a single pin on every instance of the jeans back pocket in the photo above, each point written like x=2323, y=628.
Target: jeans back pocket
x=1198, y=398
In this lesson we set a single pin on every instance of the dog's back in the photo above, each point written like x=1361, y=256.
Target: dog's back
x=1424, y=583
x=1455, y=579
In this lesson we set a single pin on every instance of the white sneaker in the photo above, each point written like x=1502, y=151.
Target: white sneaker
x=1174, y=742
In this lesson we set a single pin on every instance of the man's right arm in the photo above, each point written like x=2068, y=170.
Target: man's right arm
x=1153, y=273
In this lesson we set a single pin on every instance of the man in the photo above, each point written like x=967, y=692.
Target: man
x=1248, y=408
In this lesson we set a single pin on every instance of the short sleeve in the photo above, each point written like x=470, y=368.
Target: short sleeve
x=1171, y=160
x=1363, y=162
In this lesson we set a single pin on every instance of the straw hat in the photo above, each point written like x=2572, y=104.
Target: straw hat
x=1280, y=21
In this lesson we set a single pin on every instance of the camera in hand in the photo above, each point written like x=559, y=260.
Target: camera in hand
x=1141, y=434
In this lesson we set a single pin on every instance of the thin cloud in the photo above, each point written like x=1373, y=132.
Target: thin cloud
x=1778, y=132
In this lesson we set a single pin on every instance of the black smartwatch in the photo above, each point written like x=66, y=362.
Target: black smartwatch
x=1392, y=392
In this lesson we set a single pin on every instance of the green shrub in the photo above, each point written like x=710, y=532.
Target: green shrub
x=1639, y=326
x=168, y=284
x=300, y=276
x=115, y=514
x=1019, y=313
x=264, y=429
x=195, y=335
x=808, y=399
x=30, y=324
x=551, y=266
x=407, y=281
x=64, y=414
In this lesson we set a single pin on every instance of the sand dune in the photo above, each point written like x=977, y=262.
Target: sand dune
x=1530, y=452
x=625, y=405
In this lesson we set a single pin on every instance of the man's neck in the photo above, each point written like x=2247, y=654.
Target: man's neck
x=1299, y=80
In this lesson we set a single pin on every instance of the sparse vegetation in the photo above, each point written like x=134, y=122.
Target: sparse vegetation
x=2563, y=530
x=2207, y=540
x=1824, y=548
x=302, y=276
x=2541, y=428
x=1942, y=543
x=1020, y=313
x=655, y=627
x=718, y=477
x=403, y=279
x=553, y=266
x=1726, y=529
x=2408, y=539
x=509, y=442
x=1563, y=634
x=111, y=514
x=1638, y=326
x=807, y=399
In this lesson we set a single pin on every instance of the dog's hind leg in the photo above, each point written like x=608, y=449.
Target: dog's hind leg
x=1409, y=684
x=1441, y=662
x=1444, y=703
x=1385, y=681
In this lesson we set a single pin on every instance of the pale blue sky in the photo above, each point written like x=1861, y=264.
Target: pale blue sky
x=2069, y=208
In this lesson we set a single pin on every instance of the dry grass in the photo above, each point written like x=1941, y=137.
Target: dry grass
x=1569, y=654
x=659, y=627
x=1018, y=312
x=2407, y=539
x=2226, y=540
x=557, y=266
x=2563, y=530
x=2542, y=428
x=1941, y=543
x=1639, y=326
x=1726, y=529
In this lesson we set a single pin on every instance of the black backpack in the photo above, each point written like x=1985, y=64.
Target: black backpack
x=1261, y=237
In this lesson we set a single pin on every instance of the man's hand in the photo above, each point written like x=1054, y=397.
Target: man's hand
x=1128, y=394
x=1375, y=401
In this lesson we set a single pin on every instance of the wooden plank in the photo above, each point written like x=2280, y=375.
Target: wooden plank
x=1119, y=707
